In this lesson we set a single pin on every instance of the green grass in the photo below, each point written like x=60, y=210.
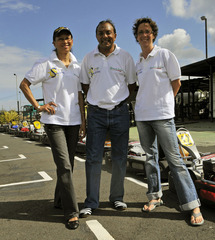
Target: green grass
x=133, y=134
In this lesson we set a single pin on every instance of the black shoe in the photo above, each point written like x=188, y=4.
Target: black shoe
x=72, y=225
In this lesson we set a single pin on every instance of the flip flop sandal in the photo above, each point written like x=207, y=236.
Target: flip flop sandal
x=195, y=215
x=154, y=204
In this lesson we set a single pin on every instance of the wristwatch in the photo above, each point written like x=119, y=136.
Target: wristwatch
x=38, y=108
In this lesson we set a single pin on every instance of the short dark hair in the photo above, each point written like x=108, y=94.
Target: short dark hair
x=152, y=24
x=106, y=21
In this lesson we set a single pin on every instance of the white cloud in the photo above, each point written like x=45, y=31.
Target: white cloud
x=177, y=8
x=14, y=59
x=189, y=8
x=179, y=43
x=17, y=6
x=18, y=61
x=194, y=9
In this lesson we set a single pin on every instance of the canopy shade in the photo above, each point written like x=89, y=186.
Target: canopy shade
x=201, y=68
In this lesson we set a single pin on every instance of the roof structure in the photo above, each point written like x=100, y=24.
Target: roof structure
x=195, y=84
x=205, y=70
x=202, y=68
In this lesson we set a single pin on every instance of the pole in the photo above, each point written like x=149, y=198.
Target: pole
x=20, y=104
x=206, y=38
x=17, y=100
x=203, y=18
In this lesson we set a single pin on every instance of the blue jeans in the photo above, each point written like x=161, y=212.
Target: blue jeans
x=63, y=141
x=164, y=131
x=99, y=122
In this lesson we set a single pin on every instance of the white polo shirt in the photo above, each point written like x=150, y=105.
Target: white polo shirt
x=155, y=97
x=60, y=85
x=108, y=77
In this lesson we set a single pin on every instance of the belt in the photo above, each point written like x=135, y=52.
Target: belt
x=120, y=104
x=117, y=106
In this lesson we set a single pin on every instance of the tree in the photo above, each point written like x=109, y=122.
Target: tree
x=8, y=117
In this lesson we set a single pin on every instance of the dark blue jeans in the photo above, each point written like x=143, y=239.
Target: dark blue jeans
x=63, y=141
x=100, y=121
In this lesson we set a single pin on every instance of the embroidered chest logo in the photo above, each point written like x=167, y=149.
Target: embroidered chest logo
x=116, y=69
x=93, y=71
x=53, y=72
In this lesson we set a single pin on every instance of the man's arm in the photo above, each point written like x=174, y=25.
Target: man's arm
x=85, y=88
x=176, y=84
x=82, y=131
x=131, y=88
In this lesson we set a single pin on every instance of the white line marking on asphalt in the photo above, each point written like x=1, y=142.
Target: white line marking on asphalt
x=44, y=175
x=29, y=142
x=137, y=182
x=100, y=232
x=21, y=156
x=76, y=158
x=145, y=185
x=80, y=159
x=4, y=147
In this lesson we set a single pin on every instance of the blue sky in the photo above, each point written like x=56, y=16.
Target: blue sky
x=26, y=28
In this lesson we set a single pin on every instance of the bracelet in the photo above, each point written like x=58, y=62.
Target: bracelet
x=38, y=108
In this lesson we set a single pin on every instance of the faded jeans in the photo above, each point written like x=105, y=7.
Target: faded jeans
x=164, y=131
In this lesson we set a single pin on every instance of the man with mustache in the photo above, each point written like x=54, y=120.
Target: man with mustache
x=108, y=77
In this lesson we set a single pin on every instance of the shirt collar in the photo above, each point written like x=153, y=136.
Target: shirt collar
x=54, y=57
x=116, y=50
x=151, y=54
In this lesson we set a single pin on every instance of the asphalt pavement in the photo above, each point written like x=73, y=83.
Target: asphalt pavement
x=27, y=182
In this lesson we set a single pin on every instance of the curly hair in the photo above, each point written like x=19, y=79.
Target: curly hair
x=152, y=24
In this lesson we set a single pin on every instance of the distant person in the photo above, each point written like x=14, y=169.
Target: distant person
x=159, y=75
x=108, y=77
x=62, y=114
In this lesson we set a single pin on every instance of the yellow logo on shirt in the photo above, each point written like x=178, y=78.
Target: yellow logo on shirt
x=92, y=71
x=53, y=72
